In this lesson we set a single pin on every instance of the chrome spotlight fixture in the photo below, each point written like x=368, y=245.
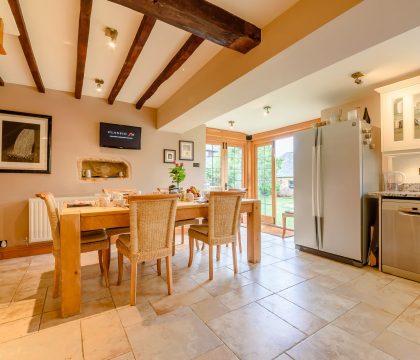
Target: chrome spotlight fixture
x=231, y=123
x=112, y=34
x=99, y=83
x=357, y=77
x=267, y=110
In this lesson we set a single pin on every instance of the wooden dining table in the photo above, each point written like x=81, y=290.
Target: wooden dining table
x=75, y=220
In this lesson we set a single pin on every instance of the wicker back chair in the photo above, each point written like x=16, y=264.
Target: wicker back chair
x=90, y=241
x=152, y=221
x=222, y=227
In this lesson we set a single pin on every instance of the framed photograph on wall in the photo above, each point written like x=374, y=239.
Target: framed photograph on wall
x=25, y=142
x=169, y=156
x=186, y=150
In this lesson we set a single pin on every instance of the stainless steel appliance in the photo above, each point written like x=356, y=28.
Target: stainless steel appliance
x=335, y=165
x=401, y=237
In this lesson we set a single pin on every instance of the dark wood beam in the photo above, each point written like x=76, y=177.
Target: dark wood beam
x=25, y=43
x=82, y=44
x=1, y=82
x=202, y=19
x=142, y=35
x=180, y=58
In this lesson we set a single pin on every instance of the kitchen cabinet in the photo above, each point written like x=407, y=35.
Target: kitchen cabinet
x=400, y=115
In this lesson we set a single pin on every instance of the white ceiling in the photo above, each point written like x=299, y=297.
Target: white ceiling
x=332, y=86
x=53, y=29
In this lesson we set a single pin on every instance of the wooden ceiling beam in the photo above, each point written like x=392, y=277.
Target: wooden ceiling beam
x=203, y=19
x=82, y=44
x=177, y=61
x=2, y=51
x=1, y=82
x=140, y=39
x=26, y=44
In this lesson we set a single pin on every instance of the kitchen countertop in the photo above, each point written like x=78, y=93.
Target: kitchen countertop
x=396, y=194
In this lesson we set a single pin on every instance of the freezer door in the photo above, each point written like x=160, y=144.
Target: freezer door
x=304, y=177
x=340, y=187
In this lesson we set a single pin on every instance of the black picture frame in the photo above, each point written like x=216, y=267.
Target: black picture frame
x=169, y=156
x=25, y=145
x=187, y=155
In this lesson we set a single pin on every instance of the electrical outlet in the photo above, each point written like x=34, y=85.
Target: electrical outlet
x=3, y=243
x=196, y=164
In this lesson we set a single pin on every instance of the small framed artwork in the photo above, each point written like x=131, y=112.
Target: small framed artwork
x=186, y=150
x=169, y=156
x=25, y=142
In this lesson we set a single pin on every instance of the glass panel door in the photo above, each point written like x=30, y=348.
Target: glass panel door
x=416, y=100
x=264, y=154
x=213, y=164
x=284, y=182
x=235, y=167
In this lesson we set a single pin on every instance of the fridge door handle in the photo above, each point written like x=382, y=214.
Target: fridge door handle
x=314, y=150
x=319, y=191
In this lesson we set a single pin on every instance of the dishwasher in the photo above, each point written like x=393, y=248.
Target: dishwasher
x=401, y=238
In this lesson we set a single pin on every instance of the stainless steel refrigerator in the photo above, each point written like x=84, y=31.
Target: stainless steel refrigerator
x=334, y=167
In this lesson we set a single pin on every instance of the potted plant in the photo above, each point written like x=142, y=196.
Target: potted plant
x=177, y=173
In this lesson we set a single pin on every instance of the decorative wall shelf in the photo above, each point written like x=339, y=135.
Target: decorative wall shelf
x=93, y=169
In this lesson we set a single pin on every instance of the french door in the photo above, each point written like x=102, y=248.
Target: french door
x=225, y=165
x=265, y=180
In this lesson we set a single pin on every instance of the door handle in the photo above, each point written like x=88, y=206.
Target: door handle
x=408, y=212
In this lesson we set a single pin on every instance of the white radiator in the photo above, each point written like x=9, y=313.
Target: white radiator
x=39, y=224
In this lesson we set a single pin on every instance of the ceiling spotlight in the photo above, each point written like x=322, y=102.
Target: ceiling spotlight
x=357, y=77
x=99, y=83
x=112, y=34
x=231, y=123
x=267, y=110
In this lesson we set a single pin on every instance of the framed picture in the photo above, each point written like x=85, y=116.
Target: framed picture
x=186, y=150
x=169, y=156
x=25, y=142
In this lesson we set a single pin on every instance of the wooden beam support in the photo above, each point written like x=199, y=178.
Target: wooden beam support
x=177, y=61
x=1, y=82
x=203, y=19
x=142, y=35
x=82, y=44
x=2, y=51
x=26, y=44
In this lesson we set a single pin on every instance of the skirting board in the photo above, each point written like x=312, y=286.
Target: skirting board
x=26, y=250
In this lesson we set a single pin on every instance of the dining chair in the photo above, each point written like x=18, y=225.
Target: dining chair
x=152, y=222
x=222, y=227
x=96, y=240
x=183, y=224
x=205, y=221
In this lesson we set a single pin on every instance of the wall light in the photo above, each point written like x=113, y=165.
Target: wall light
x=112, y=34
x=99, y=83
x=231, y=123
x=267, y=110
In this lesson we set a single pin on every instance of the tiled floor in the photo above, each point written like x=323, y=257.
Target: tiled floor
x=291, y=306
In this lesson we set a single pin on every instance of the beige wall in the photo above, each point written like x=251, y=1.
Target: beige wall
x=75, y=134
x=372, y=103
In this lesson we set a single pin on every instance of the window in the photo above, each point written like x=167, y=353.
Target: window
x=213, y=164
x=235, y=167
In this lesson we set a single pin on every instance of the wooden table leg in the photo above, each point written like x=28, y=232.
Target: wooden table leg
x=254, y=233
x=70, y=264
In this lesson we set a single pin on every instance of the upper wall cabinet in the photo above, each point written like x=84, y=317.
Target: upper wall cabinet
x=400, y=115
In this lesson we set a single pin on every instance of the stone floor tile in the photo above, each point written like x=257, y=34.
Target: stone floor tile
x=60, y=342
x=397, y=346
x=18, y=328
x=220, y=353
x=364, y=321
x=332, y=343
x=293, y=314
x=273, y=278
x=130, y=315
x=408, y=324
x=104, y=336
x=242, y=296
x=252, y=332
x=209, y=309
x=177, y=335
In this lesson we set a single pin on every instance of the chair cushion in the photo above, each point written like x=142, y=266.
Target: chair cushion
x=93, y=236
x=117, y=231
x=202, y=229
x=124, y=239
x=187, y=222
